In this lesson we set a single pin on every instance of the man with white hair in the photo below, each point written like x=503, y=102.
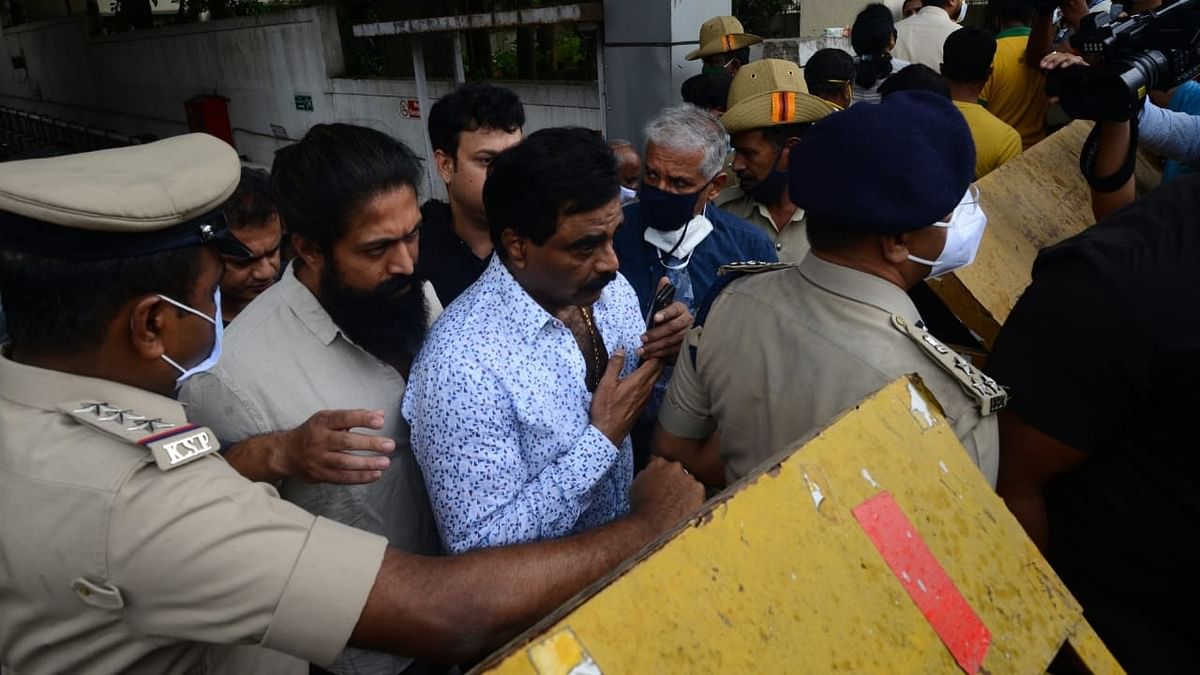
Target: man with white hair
x=672, y=230
x=673, y=233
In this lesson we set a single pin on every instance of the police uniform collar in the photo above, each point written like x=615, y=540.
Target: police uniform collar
x=46, y=389
x=859, y=286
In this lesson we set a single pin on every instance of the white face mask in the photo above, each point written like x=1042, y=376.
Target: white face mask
x=680, y=243
x=963, y=235
x=627, y=195
x=218, y=333
x=962, y=11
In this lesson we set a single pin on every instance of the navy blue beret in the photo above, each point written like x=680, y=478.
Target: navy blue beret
x=889, y=168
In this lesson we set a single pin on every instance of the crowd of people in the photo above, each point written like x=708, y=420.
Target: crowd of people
x=303, y=422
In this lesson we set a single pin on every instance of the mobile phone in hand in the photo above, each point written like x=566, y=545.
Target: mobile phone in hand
x=666, y=295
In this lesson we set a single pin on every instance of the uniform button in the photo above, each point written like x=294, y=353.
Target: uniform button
x=778, y=247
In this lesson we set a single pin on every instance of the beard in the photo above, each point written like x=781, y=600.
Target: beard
x=388, y=321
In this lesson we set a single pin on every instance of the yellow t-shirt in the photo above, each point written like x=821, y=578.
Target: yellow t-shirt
x=1016, y=93
x=995, y=141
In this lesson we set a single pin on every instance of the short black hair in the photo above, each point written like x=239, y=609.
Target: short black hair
x=826, y=236
x=825, y=68
x=707, y=90
x=470, y=107
x=56, y=306
x=967, y=55
x=873, y=30
x=779, y=134
x=250, y=206
x=916, y=77
x=1015, y=11
x=321, y=182
x=553, y=173
x=936, y=3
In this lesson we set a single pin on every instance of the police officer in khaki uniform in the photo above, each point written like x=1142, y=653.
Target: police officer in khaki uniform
x=782, y=351
x=769, y=111
x=724, y=45
x=128, y=544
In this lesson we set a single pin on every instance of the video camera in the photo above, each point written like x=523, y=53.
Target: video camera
x=1155, y=50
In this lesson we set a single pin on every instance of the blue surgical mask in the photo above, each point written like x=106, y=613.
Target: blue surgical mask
x=667, y=211
x=218, y=332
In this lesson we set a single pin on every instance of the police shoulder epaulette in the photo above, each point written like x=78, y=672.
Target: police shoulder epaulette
x=726, y=275
x=752, y=267
x=171, y=444
x=990, y=396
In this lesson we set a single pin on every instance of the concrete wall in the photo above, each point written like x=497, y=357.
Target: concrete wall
x=136, y=83
x=817, y=15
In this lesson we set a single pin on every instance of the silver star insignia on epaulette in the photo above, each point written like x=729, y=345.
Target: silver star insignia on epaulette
x=150, y=425
x=119, y=415
x=94, y=407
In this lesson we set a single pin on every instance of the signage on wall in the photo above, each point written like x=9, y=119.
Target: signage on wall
x=410, y=108
x=304, y=102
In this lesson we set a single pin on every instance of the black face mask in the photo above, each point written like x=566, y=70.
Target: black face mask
x=667, y=211
x=767, y=190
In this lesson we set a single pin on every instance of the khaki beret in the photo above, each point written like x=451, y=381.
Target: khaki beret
x=771, y=92
x=122, y=202
x=722, y=34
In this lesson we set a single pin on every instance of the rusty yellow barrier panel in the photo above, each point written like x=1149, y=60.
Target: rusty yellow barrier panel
x=1037, y=199
x=875, y=547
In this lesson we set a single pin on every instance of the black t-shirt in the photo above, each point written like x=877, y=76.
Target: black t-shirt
x=1102, y=352
x=444, y=259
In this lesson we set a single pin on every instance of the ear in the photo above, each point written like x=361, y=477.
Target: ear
x=785, y=157
x=516, y=247
x=147, y=322
x=445, y=165
x=715, y=187
x=894, y=247
x=308, y=251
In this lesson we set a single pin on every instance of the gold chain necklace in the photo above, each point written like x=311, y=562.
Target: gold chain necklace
x=594, y=336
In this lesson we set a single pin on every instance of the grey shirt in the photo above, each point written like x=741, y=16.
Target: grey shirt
x=284, y=359
x=782, y=353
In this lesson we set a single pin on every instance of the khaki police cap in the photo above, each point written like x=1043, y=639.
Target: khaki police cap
x=722, y=34
x=768, y=93
x=122, y=202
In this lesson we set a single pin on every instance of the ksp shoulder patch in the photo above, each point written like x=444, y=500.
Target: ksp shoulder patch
x=988, y=395
x=171, y=444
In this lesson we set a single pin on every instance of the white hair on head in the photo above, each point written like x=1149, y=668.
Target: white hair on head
x=688, y=128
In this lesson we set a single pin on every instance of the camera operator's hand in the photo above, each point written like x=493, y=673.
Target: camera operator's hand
x=1055, y=60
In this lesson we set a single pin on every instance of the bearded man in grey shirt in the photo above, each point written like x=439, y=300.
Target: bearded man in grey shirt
x=328, y=349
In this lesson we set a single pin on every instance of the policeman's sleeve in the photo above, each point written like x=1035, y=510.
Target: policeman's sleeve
x=1072, y=355
x=213, y=403
x=202, y=554
x=687, y=410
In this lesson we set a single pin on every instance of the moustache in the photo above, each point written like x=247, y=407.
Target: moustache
x=393, y=287
x=596, y=285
